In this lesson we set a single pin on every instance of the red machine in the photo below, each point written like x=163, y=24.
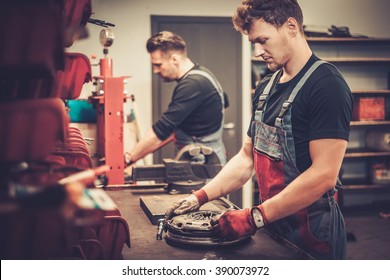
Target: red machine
x=108, y=100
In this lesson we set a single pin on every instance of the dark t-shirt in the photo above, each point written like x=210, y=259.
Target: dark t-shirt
x=195, y=108
x=322, y=108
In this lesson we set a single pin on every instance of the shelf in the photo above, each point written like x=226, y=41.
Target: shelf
x=344, y=59
x=363, y=184
x=366, y=186
x=347, y=39
x=373, y=92
x=364, y=92
x=353, y=153
x=369, y=123
x=356, y=59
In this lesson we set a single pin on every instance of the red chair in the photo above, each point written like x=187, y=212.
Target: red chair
x=34, y=46
x=69, y=82
x=77, y=13
x=29, y=129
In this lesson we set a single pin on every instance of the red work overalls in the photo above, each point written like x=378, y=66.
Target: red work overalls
x=319, y=229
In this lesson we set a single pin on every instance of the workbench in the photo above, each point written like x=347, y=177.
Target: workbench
x=145, y=246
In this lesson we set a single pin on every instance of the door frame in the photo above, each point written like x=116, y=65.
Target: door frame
x=156, y=22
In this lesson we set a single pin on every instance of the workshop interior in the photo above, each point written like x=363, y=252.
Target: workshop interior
x=77, y=92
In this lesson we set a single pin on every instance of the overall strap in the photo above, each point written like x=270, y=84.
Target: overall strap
x=287, y=103
x=266, y=91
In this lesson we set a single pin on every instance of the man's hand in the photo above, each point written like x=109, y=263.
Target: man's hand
x=184, y=205
x=187, y=204
x=234, y=224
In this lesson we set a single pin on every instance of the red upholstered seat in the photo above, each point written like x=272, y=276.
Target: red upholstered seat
x=29, y=129
x=32, y=44
x=69, y=82
x=77, y=13
x=35, y=77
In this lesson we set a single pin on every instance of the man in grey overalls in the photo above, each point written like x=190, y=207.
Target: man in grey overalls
x=195, y=113
x=296, y=139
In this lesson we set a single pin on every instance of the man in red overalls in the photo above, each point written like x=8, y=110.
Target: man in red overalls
x=296, y=140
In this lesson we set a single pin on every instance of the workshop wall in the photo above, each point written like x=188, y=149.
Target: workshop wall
x=132, y=19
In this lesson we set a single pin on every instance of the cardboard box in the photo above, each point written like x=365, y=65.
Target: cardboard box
x=380, y=174
x=369, y=109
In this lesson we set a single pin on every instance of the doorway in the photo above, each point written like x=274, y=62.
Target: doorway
x=213, y=43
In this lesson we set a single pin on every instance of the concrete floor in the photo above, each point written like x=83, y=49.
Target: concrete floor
x=368, y=233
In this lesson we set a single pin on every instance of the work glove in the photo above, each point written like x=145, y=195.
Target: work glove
x=238, y=223
x=187, y=204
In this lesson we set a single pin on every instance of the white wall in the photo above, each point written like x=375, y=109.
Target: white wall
x=368, y=17
x=132, y=19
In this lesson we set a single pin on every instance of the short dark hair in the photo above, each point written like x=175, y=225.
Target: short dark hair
x=166, y=41
x=275, y=12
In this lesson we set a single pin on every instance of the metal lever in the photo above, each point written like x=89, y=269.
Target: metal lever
x=100, y=22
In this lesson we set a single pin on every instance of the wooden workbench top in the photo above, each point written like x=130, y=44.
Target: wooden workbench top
x=144, y=245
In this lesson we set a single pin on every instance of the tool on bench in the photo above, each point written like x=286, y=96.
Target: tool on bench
x=161, y=225
x=181, y=174
x=85, y=175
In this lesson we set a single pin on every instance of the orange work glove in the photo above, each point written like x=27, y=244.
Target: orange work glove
x=238, y=223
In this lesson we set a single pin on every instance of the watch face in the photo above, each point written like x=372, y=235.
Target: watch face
x=257, y=217
x=106, y=37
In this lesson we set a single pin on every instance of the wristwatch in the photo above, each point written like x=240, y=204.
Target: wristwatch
x=257, y=217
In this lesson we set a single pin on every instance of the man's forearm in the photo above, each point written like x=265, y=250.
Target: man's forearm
x=299, y=194
x=233, y=175
x=147, y=145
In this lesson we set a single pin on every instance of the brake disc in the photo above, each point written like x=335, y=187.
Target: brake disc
x=194, y=230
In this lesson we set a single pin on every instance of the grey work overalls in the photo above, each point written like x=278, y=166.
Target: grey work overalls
x=213, y=140
x=318, y=229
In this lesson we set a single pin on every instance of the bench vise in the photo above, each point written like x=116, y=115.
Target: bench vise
x=189, y=170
